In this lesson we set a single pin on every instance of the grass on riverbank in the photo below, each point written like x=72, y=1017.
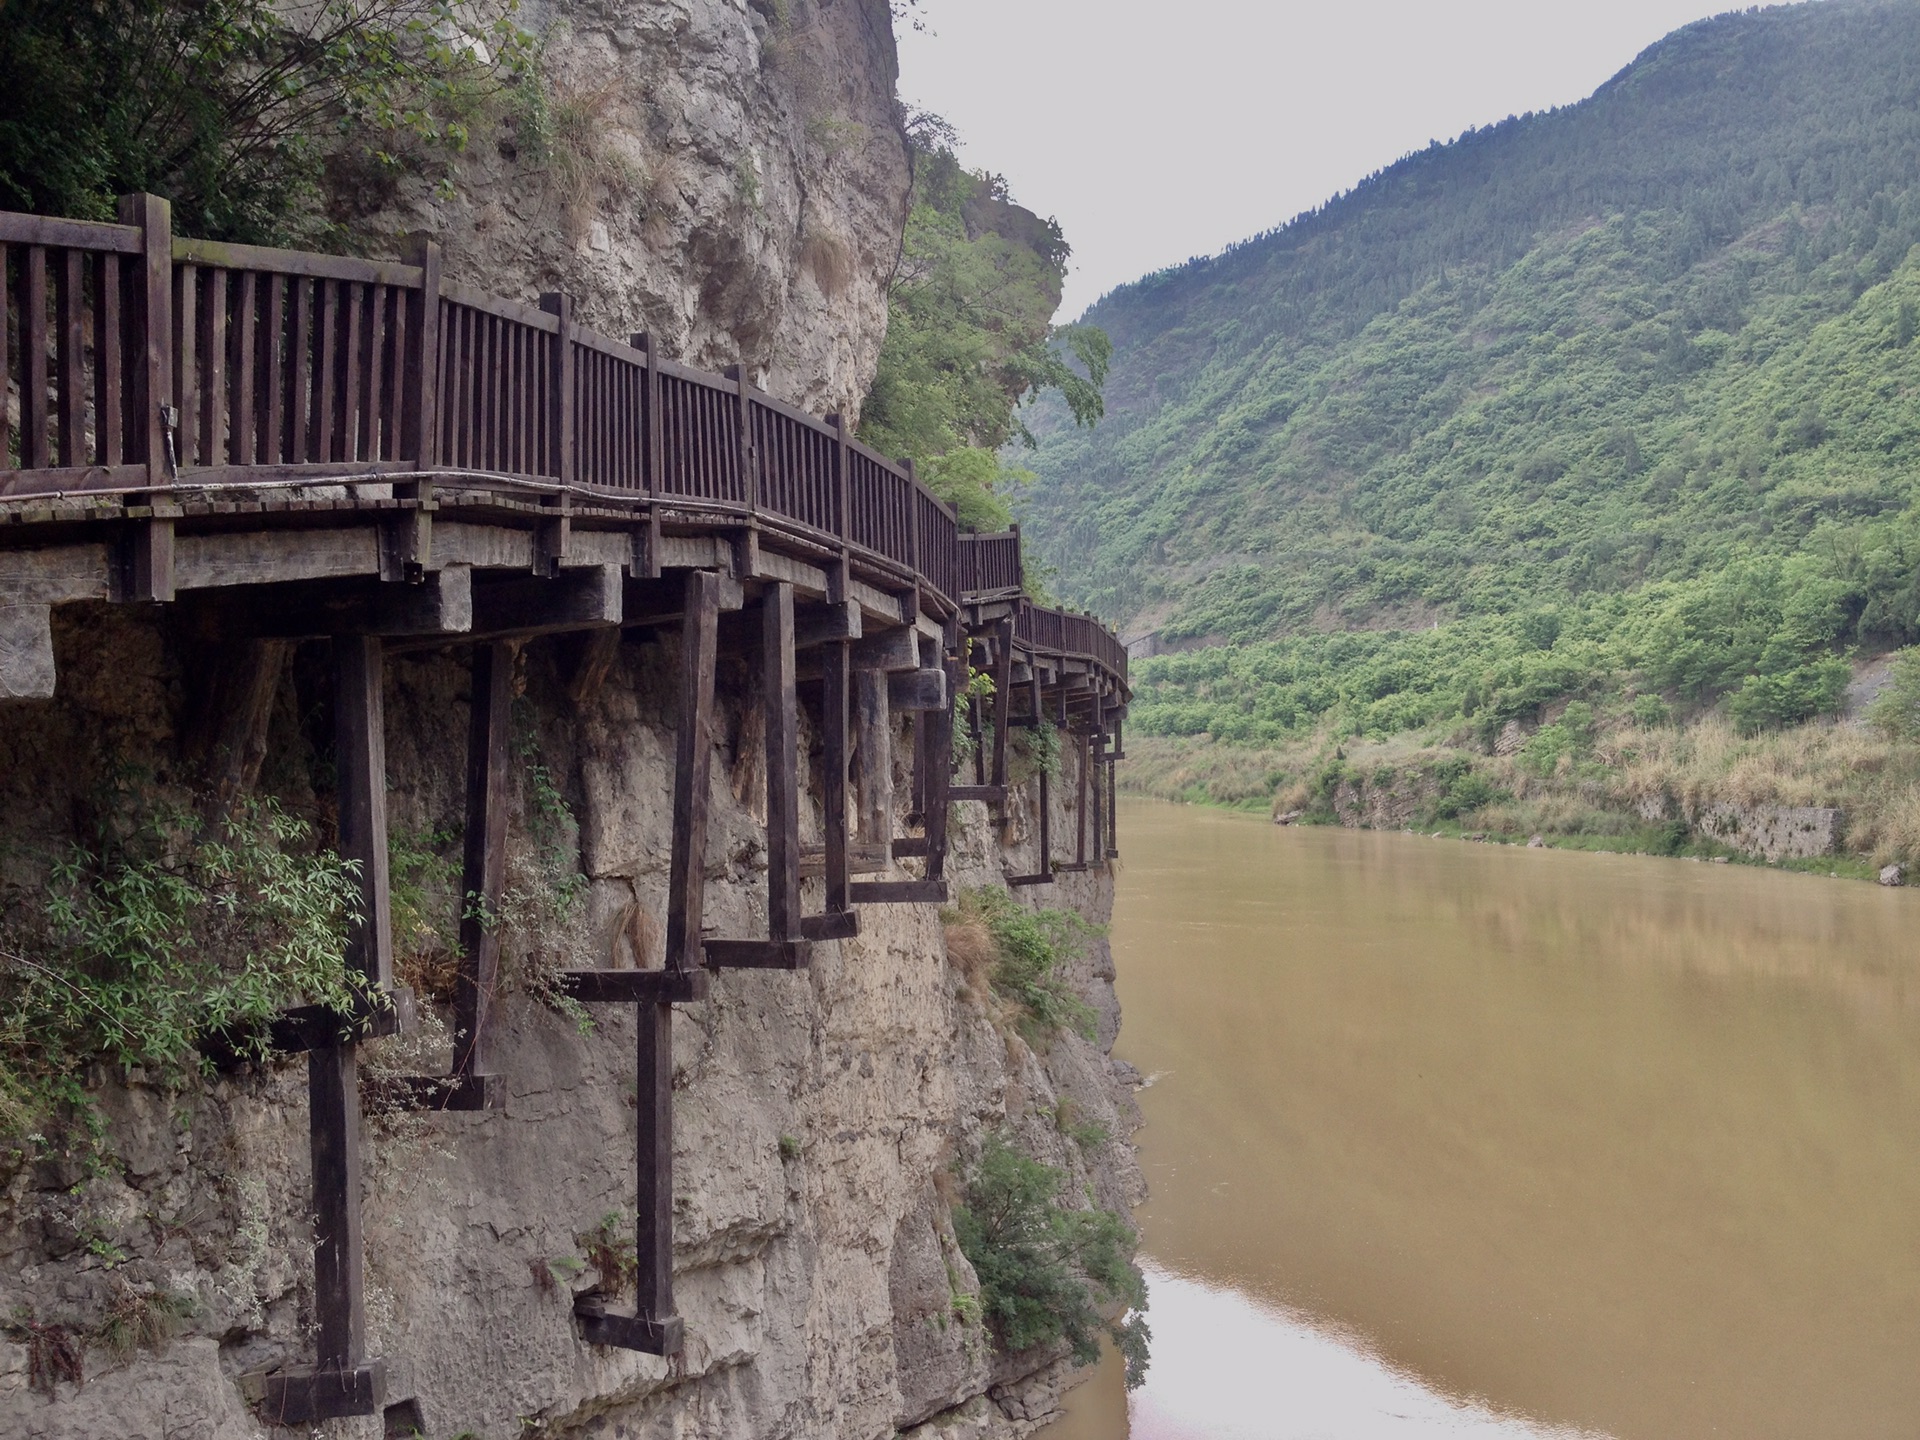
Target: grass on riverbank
x=1578, y=784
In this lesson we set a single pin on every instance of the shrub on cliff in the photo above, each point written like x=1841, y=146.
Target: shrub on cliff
x=1047, y=1273
x=161, y=933
x=1019, y=954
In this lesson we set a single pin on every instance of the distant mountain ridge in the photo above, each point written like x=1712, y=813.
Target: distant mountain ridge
x=1637, y=339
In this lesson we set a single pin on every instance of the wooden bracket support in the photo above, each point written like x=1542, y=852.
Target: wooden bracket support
x=305, y=1397
x=649, y=1336
x=898, y=892
x=758, y=954
x=917, y=690
x=994, y=795
x=840, y=925
x=834, y=620
x=577, y=599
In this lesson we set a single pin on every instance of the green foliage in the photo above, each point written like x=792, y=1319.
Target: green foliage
x=1031, y=948
x=609, y=1249
x=1895, y=711
x=1624, y=396
x=1047, y=1271
x=236, y=109
x=970, y=338
x=160, y=934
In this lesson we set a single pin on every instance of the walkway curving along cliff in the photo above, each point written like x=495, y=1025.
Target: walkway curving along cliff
x=285, y=447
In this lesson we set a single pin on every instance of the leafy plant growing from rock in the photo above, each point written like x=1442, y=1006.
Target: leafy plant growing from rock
x=1016, y=956
x=1049, y=1273
x=165, y=931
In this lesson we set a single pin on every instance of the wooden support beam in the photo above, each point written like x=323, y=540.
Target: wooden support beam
x=576, y=599
x=895, y=649
x=483, y=871
x=693, y=770
x=833, y=620
x=635, y=987
x=917, y=690
x=440, y=605
x=994, y=795
x=838, y=925
x=940, y=755
x=873, y=763
x=360, y=766
x=758, y=954
x=342, y=1381
x=1080, y=809
x=777, y=638
x=861, y=860
x=1002, y=700
x=898, y=892
x=1096, y=746
x=833, y=728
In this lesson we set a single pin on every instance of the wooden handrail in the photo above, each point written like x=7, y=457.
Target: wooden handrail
x=277, y=365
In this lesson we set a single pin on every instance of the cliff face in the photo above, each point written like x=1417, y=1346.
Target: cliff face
x=729, y=177
x=817, y=1114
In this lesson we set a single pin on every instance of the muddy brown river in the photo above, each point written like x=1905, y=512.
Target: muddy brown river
x=1449, y=1139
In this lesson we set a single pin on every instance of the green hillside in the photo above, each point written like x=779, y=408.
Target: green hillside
x=1623, y=398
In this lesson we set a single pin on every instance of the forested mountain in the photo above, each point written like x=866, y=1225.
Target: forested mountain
x=1626, y=392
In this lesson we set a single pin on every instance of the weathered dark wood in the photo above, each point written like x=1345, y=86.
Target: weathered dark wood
x=35, y=453
x=149, y=559
x=898, y=892
x=910, y=846
x=873, y=760
x=109, y=362
x=152, y=369
x=69, y=292
x=833, y=731
x=1113, y=817
x=1002, y=699
x=693, y=768
x=560, y=413
x=890, y=650
x=306, y=1397
x=440, y=605
x=653, y=1149
x=835, y=925
x=464, y=1093
x=483, y=871
x=578, y=599
x=783, y=776
x=423, y=348
x=339, y=1298
x=940, y=755
x=1042, y=877
x=995, y=795
x=1080, y=808
x=645, y=1333
x=758, y=954
x=834, y=620
x=917, y=690
x=1095, y=745
x=360, y=764
x=634, y=987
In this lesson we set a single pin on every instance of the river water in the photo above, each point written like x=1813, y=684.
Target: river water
x=1461, y=1140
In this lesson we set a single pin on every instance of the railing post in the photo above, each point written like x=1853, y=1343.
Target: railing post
x=648, y=565
x=842, y=519
x=149, y=560
x=560, y=397
x=743, y=438
x=423, y=357
x=913, y=514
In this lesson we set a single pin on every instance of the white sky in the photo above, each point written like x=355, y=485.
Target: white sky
x=1160, y=131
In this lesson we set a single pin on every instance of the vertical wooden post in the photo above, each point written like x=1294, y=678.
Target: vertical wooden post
x=1046, y=825
x=560, y=409
x=841, y=577
x=1080, y=818
x=339, y=1300
x=693, y=769
x=653, y=1201
x=744, y=455
x=783, y=779
x=483, y=873
x=837, y=666
x=873, y=767
x=940, y=750
x=420, y=394
x=1113, y=814
x=648, y=567
x=1002, y=697
x=149, y=573
x=360, y=760
x=1097, y=746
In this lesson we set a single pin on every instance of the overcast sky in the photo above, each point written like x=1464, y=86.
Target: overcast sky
x=1160, y=131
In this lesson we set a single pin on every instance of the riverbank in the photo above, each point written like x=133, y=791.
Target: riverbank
x=1832, y=798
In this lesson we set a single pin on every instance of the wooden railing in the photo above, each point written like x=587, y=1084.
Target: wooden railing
x=143, y=361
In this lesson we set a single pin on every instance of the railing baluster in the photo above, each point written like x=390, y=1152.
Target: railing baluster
x=326, y=367
x=109, y=337
x=69, y=302
x=347, y=441
x=33, y=359
x=7, y=457
x=240, y=366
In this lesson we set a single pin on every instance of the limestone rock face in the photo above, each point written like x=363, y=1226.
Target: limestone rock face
x=818, y=1115
x=729, y=177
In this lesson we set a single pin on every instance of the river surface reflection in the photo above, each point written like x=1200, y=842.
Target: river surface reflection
x=1450, y=1139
